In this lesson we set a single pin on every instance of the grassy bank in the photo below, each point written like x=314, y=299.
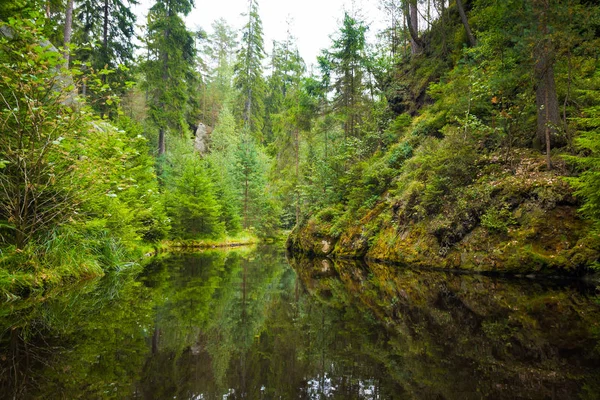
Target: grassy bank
x=243, y=239
x=62, y=260
x=67, y=259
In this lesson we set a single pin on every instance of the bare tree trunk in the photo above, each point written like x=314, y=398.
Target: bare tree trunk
x=297, y=140
x=68, y=29
x=105, y=31
x=248, y=104
x=155, y=339
x=428, y=15
x=548, y=117
x=161, y=142
x=443, y=20
x=547, y=133
x=394, y=31
x=246, y=193
x=404, y=34
x=569, y=79
x=412, y=19
x=465, y=21
x=165, y=76
x=104, y=53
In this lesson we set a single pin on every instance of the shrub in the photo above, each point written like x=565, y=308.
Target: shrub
x=498, y=219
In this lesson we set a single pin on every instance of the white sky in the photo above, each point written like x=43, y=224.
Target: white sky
x=313, y=20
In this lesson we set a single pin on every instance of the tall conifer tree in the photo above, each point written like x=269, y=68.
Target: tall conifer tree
x=112, y=23
x=249, y=79
x=170, y=66
x=346, y=60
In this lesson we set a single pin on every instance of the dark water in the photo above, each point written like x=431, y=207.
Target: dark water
x=246, y=324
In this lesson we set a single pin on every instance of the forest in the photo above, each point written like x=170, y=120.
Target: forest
x=464, y=135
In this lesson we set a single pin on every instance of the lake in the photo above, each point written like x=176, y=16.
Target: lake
x=248, y=323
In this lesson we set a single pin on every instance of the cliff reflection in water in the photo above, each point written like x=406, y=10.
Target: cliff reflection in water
x=244, y=324
x=470, y=336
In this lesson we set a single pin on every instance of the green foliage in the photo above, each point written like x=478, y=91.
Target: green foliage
x=191, y=196
x=346, y=61
x=248, y=79
x=398, y=154
x=441, y=166
x=258, y=205
x=40, y=123
x=123, y=194
x=241, y=168
x=92, y=17
x=587, y=184
x=104, y=31
x=497, y=220
x=222, y=161
x=219, y=55
x=291, y=109
x=282, y=102
x=329, y=214
x=79, y=195
x=435, y=136
x=169, y=68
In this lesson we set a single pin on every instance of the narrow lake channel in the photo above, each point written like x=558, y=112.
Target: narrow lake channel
x=249, y=324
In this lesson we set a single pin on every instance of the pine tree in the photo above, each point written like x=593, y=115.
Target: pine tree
x=103, y=32
x=587, y=184
x=346, y=60
x=113, y=22
x=223, y=162
x=286, y=104
x=191, y=195
x=287, y=68
x=249, y=79
x=259, y=208
x=169, y=68
x=219, y=53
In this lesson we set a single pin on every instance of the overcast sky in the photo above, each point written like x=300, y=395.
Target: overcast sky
x=313, y=21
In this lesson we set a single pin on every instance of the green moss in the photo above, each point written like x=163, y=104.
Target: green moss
x=517, y=219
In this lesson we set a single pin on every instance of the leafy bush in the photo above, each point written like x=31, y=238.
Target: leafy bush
x=328, y=214
x=398, y=154
x=40, y=120
x=89, y=188
x=498, y=219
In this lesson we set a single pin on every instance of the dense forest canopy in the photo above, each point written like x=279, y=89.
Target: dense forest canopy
x=459, y=113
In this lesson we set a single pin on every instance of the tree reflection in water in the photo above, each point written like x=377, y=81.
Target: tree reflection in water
x=245, y=324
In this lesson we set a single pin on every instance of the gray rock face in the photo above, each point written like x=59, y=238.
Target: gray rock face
x=202, y=138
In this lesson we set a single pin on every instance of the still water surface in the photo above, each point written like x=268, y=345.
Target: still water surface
x=246, y=324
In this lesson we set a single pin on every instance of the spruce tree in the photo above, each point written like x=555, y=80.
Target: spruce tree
x=169, y=68
x=587, y=184
x=346, y=60
x=219, y=53
x=113, y=23
x=249, y=79
x=223, y=162
x=286, y=102
x=287, y=68
x=191, y=195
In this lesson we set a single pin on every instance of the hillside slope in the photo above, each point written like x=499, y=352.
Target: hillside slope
x=521, y=219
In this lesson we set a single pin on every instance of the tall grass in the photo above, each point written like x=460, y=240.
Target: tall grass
x=65, y=254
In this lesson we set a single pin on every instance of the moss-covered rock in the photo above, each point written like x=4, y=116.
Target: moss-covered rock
x=312, y=237
x=515, y=218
